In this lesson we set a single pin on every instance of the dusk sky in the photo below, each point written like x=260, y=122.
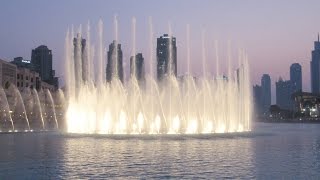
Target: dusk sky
x=274, y=33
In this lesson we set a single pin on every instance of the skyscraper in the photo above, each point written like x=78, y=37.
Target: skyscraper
x=315, y=67
x=284, y=90
x=114, y=65
x=166, y=56
x=296, y=76
x=80, y=59
x=265, y=92
x=41, y=58
x=138, y=65
x=257, y=94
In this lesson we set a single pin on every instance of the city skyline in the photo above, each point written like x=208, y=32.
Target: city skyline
x=246, y=29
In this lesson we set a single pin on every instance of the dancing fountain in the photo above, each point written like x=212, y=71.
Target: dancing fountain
x=29, y=110
x=185, y=105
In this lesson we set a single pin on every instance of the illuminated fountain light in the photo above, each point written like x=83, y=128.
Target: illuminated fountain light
x=217, y=104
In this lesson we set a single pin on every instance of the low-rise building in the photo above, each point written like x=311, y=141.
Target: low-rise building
x=8, y=73
x=307, y=104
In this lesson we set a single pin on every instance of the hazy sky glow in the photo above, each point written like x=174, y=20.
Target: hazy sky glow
x=274, y=33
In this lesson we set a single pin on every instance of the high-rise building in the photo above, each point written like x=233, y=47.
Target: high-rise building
x=138, y=67
x=80, y=60
x=296, y=76
x=315, y=67
x=41, y=59
x=257, y=94
x=284, y=90
x=265, y=92
x=166, y=56
x=114, y=65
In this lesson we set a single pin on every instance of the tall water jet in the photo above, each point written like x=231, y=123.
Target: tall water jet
x=19, y=107
x=169, y=71
x=115, y=53
x=151, y=87
x=51, y=101
x=100, y=54
x=204, y=80
x=36, y=96
x=5, y=113
x=78, y=58
x=174, y=105
x=217, y=57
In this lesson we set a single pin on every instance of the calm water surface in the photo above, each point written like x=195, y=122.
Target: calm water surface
x=271, y=151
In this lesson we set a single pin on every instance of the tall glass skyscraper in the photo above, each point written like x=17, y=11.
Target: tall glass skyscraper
x=315, y=67
x=296, y=76
x=166, y=53
x=41, y=59
x=114, y=65
x=265, y=92
x=137, y=67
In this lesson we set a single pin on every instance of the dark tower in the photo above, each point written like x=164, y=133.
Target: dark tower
x=265, y=92
x=114, y=62
x=296, y=76
x=163, y=56
x=41, y=59
x=139, y=67
x=80, y=50
x=315, y=67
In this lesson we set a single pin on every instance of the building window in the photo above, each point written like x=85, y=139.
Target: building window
x=27, y=84
x=31, y=87
x=21, y=76
x=27, y=77
x=17, y=84
x=21, y=84
x=31, y=79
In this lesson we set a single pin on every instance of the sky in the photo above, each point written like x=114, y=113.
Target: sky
x=274, y=33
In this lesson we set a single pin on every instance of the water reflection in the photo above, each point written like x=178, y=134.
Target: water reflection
x=272, y=151
x=290, y=153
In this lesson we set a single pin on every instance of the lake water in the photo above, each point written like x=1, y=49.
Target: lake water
x=271, y=151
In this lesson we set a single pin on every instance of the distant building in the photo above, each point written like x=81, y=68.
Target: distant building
x=164, y=68
x=22, y=78
x=307, y=104
x=284, y=90
x=41, y=58
x=23, y=63
x=257, y=99
x=296, y=76
x=315, y=67
x=80, y=60
x=114, y=65
x=138, y=65
x=8, y=74
x=265, y=92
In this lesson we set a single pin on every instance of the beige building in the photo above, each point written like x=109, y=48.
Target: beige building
x=8, y=73
x=27, y=79
x=21, y=77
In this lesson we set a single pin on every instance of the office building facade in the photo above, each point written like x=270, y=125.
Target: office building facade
x=114, y=64
x=315, y=67
x=137, y=67
x=166, y=57
x=296, y=76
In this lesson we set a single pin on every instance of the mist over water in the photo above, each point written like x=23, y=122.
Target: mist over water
x=175, y=105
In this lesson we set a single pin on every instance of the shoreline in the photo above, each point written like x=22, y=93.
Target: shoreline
x=307, y=121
